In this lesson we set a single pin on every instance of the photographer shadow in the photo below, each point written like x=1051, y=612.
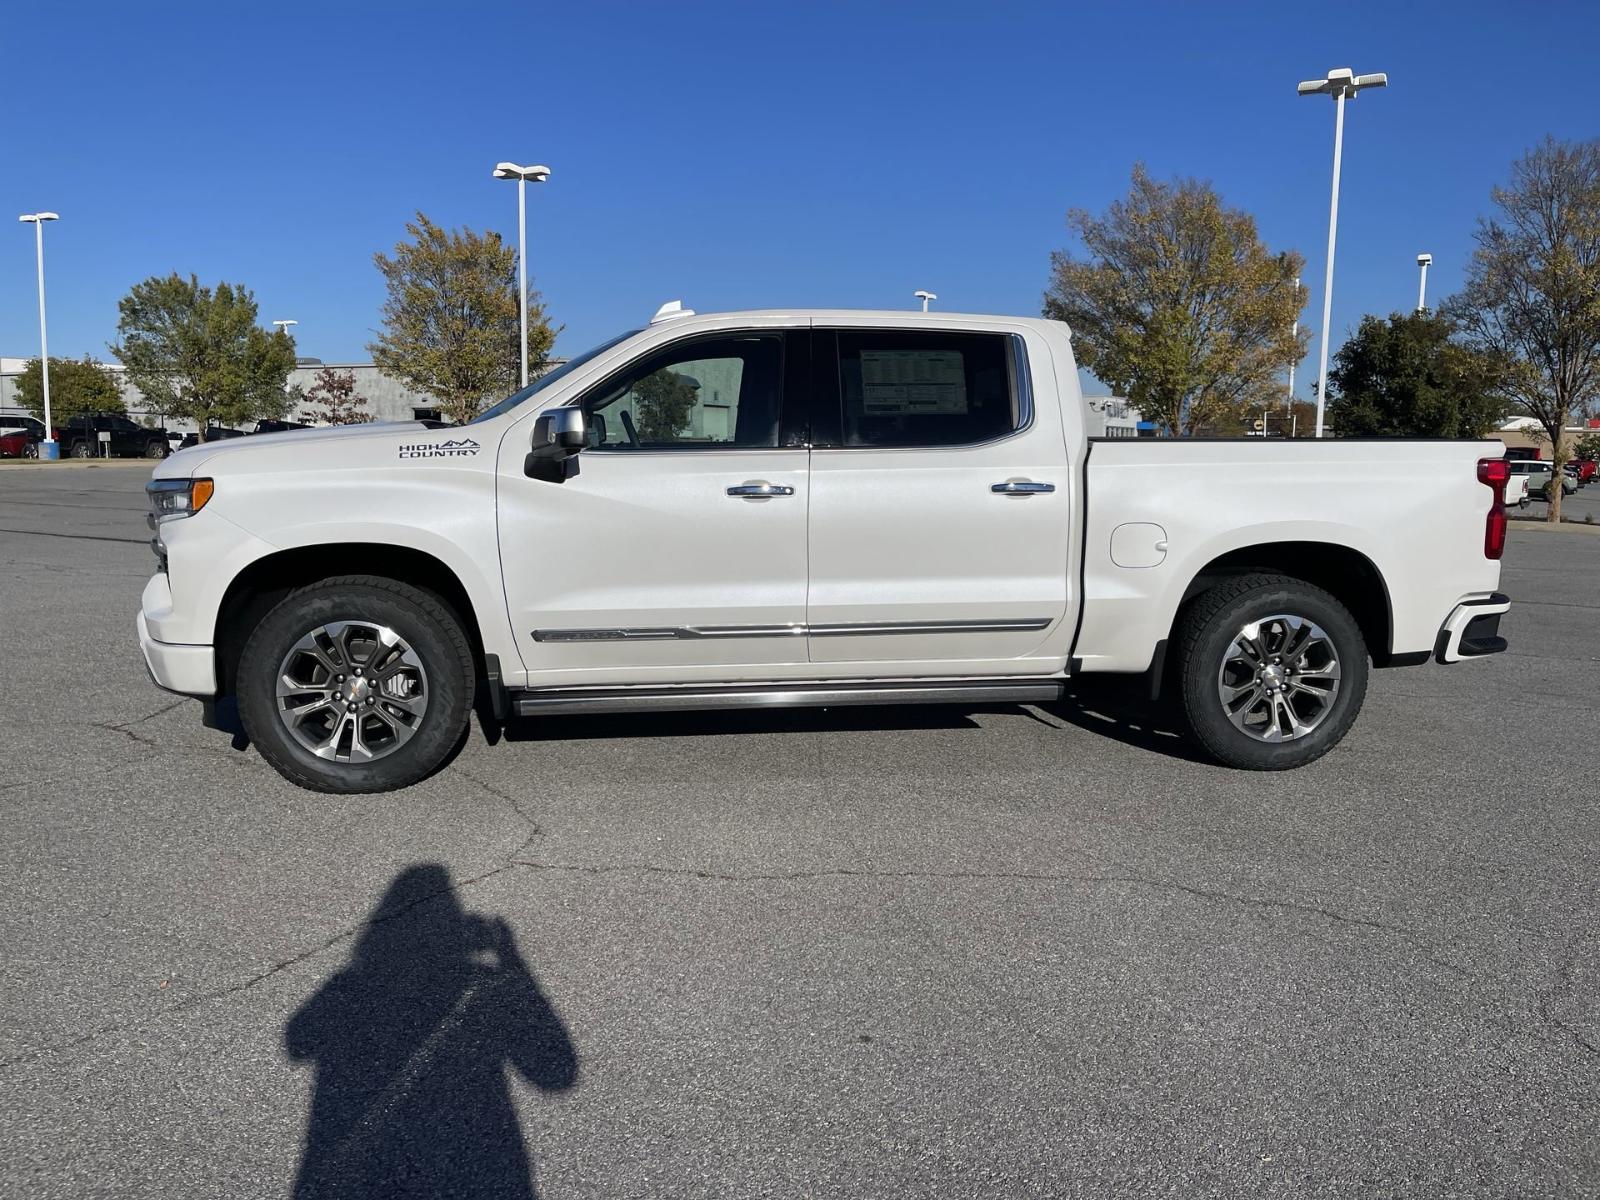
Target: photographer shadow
x=411, y=1042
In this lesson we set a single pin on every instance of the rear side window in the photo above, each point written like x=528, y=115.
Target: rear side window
x=904, y=389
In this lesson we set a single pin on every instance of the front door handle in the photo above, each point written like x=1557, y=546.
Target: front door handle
x=1021, y=487
x=761, y=489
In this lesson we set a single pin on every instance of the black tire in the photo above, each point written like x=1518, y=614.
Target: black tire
x=80, y=449
x=1206, y=631
x=422, y=619
x=155, y=448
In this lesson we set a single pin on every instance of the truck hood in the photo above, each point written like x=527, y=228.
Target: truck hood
x=218, y=454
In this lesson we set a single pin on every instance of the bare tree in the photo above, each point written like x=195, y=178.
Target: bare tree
x=1532, y=295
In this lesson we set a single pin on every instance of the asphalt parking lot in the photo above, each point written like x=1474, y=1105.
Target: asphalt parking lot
x=1015, y=951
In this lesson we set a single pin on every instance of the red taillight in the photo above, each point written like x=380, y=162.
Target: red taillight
x=1494, y=472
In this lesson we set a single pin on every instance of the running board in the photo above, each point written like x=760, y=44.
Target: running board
x=786, y=695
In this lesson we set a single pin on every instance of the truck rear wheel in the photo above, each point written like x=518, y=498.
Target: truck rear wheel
x=1273, y=671
x=356, y=684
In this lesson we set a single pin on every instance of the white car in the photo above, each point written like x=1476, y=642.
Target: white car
x=803, y=508
x=1517, y=491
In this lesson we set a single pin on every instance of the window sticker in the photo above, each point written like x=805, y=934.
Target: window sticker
x=913, y=381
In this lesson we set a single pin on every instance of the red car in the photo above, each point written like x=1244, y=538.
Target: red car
x=19, y=444
x=1586, y=468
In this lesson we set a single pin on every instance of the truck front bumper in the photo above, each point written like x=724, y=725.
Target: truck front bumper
x=1472, y=630
x=187, y=669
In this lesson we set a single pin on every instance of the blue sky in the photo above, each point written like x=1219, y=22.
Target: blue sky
x=741, y=155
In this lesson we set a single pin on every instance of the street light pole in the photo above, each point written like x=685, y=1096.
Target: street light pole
x=48, y=448
x=1341, y=83
x=284, y=325
x=924, y=297
x=1423, y=260
x=1294, y=336
x=538, y=174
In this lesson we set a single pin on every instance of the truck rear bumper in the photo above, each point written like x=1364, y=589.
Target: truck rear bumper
x=1472, y=630
x=188, y=670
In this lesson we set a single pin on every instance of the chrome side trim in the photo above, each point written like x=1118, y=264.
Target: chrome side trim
x=672, y=633
x=1023, y=625
x=618, y=700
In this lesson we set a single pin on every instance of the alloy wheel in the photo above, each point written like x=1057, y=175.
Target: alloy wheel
x=1279, y=678
x=352, y=691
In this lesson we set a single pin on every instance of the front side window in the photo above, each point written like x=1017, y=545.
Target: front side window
x=900, y=389
x=702, y=394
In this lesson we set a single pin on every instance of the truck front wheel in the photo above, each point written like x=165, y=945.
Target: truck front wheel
x=356, y=684
x=1273, y=671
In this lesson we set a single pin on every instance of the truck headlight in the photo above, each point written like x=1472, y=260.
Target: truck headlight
x=174, y=498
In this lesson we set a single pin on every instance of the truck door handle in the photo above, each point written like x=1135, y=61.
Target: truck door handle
x=1021, y=487
x=761, y=489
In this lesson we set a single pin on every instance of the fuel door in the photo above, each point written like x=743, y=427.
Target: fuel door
x=1138, y=544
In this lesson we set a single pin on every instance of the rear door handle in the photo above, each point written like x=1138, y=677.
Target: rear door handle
x=761, y=489
x=1021, y=487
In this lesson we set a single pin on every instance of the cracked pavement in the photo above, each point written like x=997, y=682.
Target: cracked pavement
x=1006, y=951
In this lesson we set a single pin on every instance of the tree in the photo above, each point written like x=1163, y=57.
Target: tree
x=664, y=400
x=1587, y=448
x=1178, y=304
x=1405, y=376
x=198, y=353
x=334, y=399
x=450, y=323
x=76, y=386
x=1532, y=293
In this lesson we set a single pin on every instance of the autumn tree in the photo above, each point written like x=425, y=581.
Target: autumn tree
x=77, y=386
x=1532, y=294
x=1177, y=304
x=450, y=323
x=198, y=352
x=1406, y=376
x=333, y=399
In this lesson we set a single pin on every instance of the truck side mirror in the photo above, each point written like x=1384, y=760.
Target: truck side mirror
x=558, y=435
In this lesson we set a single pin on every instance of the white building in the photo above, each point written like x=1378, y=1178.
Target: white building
x=387, y=399
x=1114, y=417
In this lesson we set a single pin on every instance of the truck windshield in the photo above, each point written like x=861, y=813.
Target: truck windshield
x=552, y=376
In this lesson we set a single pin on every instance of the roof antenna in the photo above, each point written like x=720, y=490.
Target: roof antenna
x=671, y=311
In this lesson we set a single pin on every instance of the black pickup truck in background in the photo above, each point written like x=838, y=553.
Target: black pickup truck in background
x=80, y=437
x=216, y=433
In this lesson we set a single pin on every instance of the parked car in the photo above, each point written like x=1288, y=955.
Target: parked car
x=1586, y=468
x=19, y=443
x=21, y=423
x=214, y=433
x=80, y=437
x=1537, y=472
x=854, y=508
x=270, y=426
x=1517, y=491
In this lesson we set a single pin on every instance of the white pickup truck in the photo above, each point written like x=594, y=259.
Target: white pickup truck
x=803, y=508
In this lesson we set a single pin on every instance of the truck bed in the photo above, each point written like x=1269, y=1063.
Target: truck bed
x=1414, y=510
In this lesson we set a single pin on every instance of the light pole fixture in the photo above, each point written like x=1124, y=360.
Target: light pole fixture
x=523, y=175
x=284, y=325
x=1423, y=261
x=49, y=448
x=1341, y=84
x=924, y=297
